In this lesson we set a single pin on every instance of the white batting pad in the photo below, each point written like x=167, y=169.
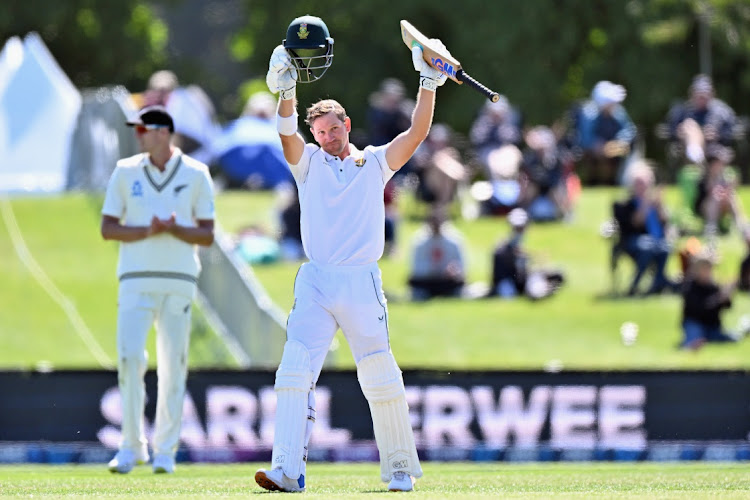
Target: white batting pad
x=383, y=387
x=293, y=383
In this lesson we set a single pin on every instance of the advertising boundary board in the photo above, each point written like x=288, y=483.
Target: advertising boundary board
x=74, y=416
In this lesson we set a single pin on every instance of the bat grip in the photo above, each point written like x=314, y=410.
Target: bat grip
x=462, y=76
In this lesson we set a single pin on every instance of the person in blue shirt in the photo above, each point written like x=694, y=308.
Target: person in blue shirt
x=642, y=220
x=605, y=133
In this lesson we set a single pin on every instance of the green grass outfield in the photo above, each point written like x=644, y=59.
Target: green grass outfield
x=576, y=329
x=441, y=480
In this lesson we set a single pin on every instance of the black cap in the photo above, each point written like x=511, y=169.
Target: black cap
x=153, y=115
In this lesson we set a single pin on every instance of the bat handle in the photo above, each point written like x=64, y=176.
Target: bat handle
x=462, y=76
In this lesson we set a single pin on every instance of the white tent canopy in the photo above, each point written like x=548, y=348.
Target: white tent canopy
x=39, y=107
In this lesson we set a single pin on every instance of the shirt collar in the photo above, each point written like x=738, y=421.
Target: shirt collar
x=169, y=166
x=353, y=153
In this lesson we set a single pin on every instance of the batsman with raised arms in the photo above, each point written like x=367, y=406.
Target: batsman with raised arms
x=342, y=220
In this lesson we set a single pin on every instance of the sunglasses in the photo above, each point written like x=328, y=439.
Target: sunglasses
x=142, y=129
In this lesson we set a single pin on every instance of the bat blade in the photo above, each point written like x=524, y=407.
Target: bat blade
x=442, y=60
x=438, y=59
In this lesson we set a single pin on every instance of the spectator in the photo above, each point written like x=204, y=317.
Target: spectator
x=391, y=218
x=389, y=112
x=743, y=281
x=497, y=125
x=255, y=246
x=502, y=192
x=194, y=114
x=511, y=273
x=290, y=237
x=438, y=264
x=438, y=168
x=716, y=199
x=703, y=301
x=604, y=133
x=544, y=189
x=643, y=228
x=713, y=119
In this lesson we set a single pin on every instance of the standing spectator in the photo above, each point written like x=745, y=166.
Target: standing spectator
x=716, y=199
x=438, y=266
x=438, y=168
x=192, y=110
x=605, y=134
x=643, y=228
x=498, y=124
x=703, y=301
x=715, y=121
x=511, y=272
x=159, y=205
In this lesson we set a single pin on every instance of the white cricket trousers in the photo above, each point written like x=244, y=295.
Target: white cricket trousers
x=170, y=314
x=328, y=297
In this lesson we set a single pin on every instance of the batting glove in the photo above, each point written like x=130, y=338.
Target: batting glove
x=429, y=77
x=282, y=75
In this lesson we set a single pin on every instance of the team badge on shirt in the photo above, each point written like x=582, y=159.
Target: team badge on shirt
x=136, y=189
x=360, y=161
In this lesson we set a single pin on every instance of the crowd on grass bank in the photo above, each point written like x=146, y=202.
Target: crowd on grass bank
x=527, y=174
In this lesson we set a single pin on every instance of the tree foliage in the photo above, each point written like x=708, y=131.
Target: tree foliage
x=543, y=55
x=96, y=42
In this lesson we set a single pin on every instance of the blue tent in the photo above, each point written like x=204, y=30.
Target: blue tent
x=249, y=153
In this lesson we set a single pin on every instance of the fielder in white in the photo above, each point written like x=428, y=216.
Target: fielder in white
x=342, y=222
x=159, y=205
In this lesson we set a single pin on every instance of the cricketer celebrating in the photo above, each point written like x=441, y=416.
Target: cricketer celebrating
x=342, y=221
x=159, y=205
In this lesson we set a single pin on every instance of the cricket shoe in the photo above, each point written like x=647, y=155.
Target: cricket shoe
x=401, y=481
x=125, y=460
x=163, y=464
x=276, y=480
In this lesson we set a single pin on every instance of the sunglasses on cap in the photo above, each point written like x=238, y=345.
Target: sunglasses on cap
x=142, y=129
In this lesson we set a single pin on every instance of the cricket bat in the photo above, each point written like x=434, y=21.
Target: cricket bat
x=442, y=60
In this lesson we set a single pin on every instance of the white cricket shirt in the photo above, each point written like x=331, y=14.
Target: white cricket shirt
x=136, y=192
x=341, y=201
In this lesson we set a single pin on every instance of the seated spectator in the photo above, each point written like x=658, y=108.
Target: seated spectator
x=743, y=281
x=390, y=194
x=389, y=114
x=605, y=134
x=511, y=273
x=716, y=200
x=438, y=167
x=713, y=118
x=643, y=229
x=502, y=192
x=438, y=262
x=544, y=192
x=256, y=246
x=290, y=237
x=194, y=115
x=498, y=124
x=703, y=301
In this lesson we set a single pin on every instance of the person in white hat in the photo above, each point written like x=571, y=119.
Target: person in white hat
x=605, y=133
